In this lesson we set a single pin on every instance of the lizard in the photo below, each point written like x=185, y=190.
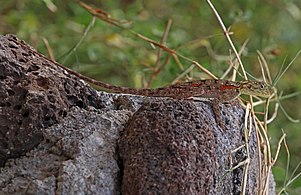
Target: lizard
x=220, y=90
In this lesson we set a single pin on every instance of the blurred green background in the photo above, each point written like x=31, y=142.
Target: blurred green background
x=116, y=56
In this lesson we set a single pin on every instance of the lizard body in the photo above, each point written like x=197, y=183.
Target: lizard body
x=208, y=88
x=220, y=90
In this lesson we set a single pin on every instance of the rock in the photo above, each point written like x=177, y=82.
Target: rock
x=168, y=147
x=60, y=136
x=34, y=94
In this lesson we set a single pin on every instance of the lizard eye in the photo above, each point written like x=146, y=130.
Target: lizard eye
x=262, y=86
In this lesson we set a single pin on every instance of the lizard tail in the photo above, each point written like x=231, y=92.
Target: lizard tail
x=145, y=92
x=108, y=87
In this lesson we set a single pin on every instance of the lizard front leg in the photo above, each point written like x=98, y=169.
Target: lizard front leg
x=217, y=113
x=224, y=97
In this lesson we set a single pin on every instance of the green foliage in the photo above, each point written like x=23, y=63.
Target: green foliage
x=116, y=56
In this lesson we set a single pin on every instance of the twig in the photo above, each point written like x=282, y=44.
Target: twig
x=159, y=66
x=107, y=18
x=49, y=50
x=183, y=74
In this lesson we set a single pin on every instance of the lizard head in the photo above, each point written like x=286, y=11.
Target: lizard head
x=256, y=88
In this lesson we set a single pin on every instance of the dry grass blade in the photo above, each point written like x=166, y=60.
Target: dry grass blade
x=259, y=152
x=287, y=115
x=287, y=182
x=246, y=162
x=74, y=48
x=266, y=114
x=234, y=65
x=279, y=147
x=287, y=167
x=277, y=99
x=183, y=74
x=264, y=64
x=49, y=50
x=274, y=115
x=246, y=169
x=287, y=67
x=267, y=155
x=293, y=178
x=227, y=34
x=284, y=97
x=197, y=65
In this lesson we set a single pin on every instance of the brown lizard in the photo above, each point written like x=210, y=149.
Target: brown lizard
x=220, y=90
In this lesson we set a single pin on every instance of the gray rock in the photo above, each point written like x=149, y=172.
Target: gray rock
x=75, y=140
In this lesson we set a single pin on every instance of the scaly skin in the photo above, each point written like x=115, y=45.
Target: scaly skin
x=256, y=88
x=220, y=90
x=210, y=88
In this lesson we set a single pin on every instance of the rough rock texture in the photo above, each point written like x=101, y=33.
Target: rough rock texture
x=60, y=137
x=77, y=156
x=176, y=147
x=168, y=148
x=34, y=94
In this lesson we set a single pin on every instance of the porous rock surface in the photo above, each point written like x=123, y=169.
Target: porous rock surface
x=34, y=94
x=176, y=147
x=59, y=136
x=170, y=155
